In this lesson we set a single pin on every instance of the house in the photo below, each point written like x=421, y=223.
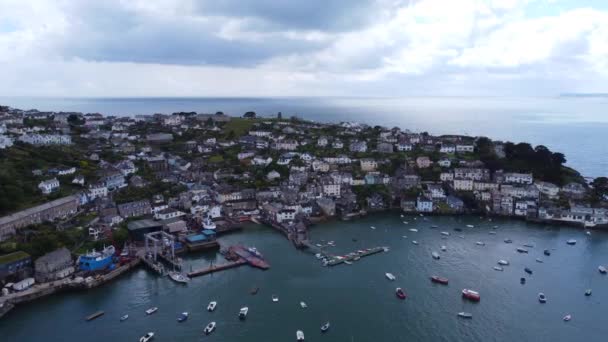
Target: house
x=65, y=172
x=330, y=188
x=484, y=186
x=521, y=191
x=337, y=144
x=135, y=208
x=358, y=146
x=245, y=155
x=368, y=164
x=262, y=161
x=260, y=133
x=15, y=265
x=272, y=175
x=423, y=162
x=5, y=141
x=46, y=139
x=114, y=180
x=55, y=265
x=463, y=185
x=550, y=190
x=320, y=166
x=424, y=204
x=574, y=190
x=454, y=203
x=436, y=191
x=518, y=178
x=322, y=141
x=97, y=190
x=478, y=174
x=446, y=176
x=168, y=213
x=79, y=180
x=444, y=162
x=465, y=148
x=289, y=145
x=384, y=147
x=48, y=186
x=447, y=148
x=159, y=138
x=285, y=215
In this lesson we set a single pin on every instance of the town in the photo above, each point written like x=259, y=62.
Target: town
x=79, y=189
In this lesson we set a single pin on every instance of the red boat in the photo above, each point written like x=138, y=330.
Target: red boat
x=400, y=294
x=471, y=295
x=440, y=280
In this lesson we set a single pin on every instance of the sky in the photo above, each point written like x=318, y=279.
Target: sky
x=392, y=48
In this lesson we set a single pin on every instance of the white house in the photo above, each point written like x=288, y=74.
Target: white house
x=68, y=171
x=424, y=204
x=548, y=189
x=322, y=141
x=320, y=166
x=259, y=160
x=272, y=175
x=5, y=142
x=463, y=184
x=168, y=213
x=447, y=148
x=368, y=164
x=48, y=186
x=245, y=155
x=337, y=144
x=285, y=215
x=260, y=133
x=446, y=176
x=444, y=162
x=97, y=190
x=519, y=178
x=465, y=148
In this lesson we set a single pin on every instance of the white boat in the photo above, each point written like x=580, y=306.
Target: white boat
x=602, y=269
x=498, y=268
x=208, y=223
x=300, y=335
x=539, y=260
x=209, y=328
x=151, y=310
x=480, y=243
x=325, y=327
x=413, y=230
x=571, y=242
x=211, y=306
x=405, y=222
x=348, y=262
x=492, y=232
x=275, y=298
x=588, y=233
x=402, y=215
x=147, y=337
x=445, y=233
x=444, y=248
x=461, y=236
x=372, y=227
x=465, y=314
x=435, y=255
x=243, y=312
x=179, y=277
x=303, y=305
x=567, y=318
x=183, y=317
x=414, y=242
x=319, y=256
x=124, y=318
x=404, y=236
x=470, y=226
x=542, y=298
x=503, y=262
x=390, y=276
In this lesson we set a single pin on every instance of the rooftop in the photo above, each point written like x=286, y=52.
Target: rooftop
x=11, y=257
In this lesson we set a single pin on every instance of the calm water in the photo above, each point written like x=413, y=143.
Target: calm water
x=357, y=299
x=575, y=126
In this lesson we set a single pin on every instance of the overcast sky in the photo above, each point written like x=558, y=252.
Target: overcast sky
x=304, y=48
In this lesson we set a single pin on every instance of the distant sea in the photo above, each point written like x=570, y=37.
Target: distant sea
x=574, y=125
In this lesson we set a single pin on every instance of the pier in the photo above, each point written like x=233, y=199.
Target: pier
x=237, y=256
x=333, y=260
x=214, y=268
x=296, y=232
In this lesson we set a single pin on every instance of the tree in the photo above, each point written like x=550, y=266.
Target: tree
x=250, y=115
x=280, y=116
x=600, y=188
x=75, y=119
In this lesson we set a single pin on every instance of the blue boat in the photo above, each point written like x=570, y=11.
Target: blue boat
x=183, y=317
x=97, y=261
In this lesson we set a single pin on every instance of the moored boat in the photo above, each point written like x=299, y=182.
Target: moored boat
x=147, y=337
x=522, y=280
x=211, y=306
x=179, y=277
x=414, y=242
x=183, y=317
x=254, y=290
x=602, y=269
x=390, y=276
x=471, y=295
x=275, y=298
x=414, y=230
x=443, y=248
x=498, y=268
x=508, y=241
x=480, y=243
x=303, y=305
x=445, y=233
x=547, y=252
x=503, y=262
x=439, y=280
x=542, y=298
x=571, y=242
x=124, y=318
x=151, y=310
x=522, y=250
x=567, y=318
x=209, y=328
x=400, y=294
x=588, y=292
x=435, y=255
x=243, y=312
x=465, y=314
x=470, y=226
x=299, y=335
x=539, y=260
x=325, y=327
x=529, y=245
x=528, y=270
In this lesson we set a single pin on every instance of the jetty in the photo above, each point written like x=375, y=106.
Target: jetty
x=333, y=260
x=94, y=315
x=237, y=256
x=216, y=268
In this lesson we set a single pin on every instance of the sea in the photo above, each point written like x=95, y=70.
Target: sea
x=358, y=300
x=573, y=125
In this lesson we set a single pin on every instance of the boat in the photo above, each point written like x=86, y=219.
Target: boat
x=254, y=290
x=124, y=318
x=445, y=233
x=602, y=269
x=588, y=292
x=97, y=261
x=465, y=315
x=547, y=252
x=529, y=245
x=372, y=227
x=183, y=317
x=471, y=295
x=243, y=312
x=400, y=294
x=413, y=230
x=522, y=250
x=470, y=226
x=508, y=241
x=443, y=248
x=527, y=270
x=404, y=236
x=211, y=306
x=522, y=280
x=461, y=236
x=325, y=327
x=275, y=298
x=303, y=305
x=571, y=242
x=348, y=262
x=414, y=242
x=434, y=226
x=208, y=223
x=498, y=268
x=439, y=280
x=435, y=255
x=542, y=298
x=209, y=328
x=151, y=310
x=458, y=229
x=299, y=335
x=492, y=232
x=539, y=260
x=390, y=276
x=319, y=256
x=588, y=233
x=402, y=215
x=503, y=262
x=147, y=337
x=480, y=243
x=179, y=277
x=405, y=222
x=567, y=318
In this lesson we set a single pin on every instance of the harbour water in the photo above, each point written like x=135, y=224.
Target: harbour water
x=358, y=300
x=575, y=126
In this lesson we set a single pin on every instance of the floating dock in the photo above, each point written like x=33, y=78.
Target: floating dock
x=238, y=255
x=94, y=315
x=333, y=260
x=212, y=269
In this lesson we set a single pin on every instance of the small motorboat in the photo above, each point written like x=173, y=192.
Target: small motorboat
x=183, y=317
x=275, y=298
x=508, y=241
x=588, y=292
x=404, y=236
x=571, y=242
x=402, y=215
x=243, y=312
x=179, y=278
x=211, y=306
x=147, y=337
x=458, y=229
x=465, y=315
x=124, y=318
x=539, y=260
x=588, y=233
x=254, y=290
x=602, y=269
x=498, y=268
x=299, y=335
x=503, y=262
x=547, y=252
x=151, y=310
x=470, y=226
x=414, y=230
x=443, y=248
x=522, y=280
x=471, y=295
x=461, y=236
x=439, y=280
x=325, y=327
x=405, y=222
x=528, y=245
x=348, y=262
x=434, y=227
x=435, y=255
x=445, y=233
x=414, y=242
x=527, y=270
x=480, y=243
x=542, y=298
x=303, y=305
x=400, y=294
x=522, y=250
x=492, y=232
x=390, y=276
x=209, y=328
x=372, y=227
x=567, y=318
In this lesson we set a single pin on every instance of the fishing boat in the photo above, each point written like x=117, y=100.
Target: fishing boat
x=508, y=241
x=480, y=243
x=414, y=242
x=471, y=295
x=254, y=290
x=124, y=318
x=567, y=318
x=527, y=270
x=571, y=242
x=439, y=280
x=390, y=276
x=211, y=306
x=151, y=310
x=275, y=298
x=465, y=315
x=147, y=337
x=470, y=226
x=97, y=261
x=182, y=317
x=498, y=268
x=443, y=248
x=602, y=269
x=435, y=255
x=243, y=312
x=542, y=298
x=413, y=230
x=547, y=252
x=522, y=250
x=299, y=335
x=325, y=327
x=303, y=305
x=400, y=294
x=503, y=262
x=179, y=277
x=209, y=328
x=588, y=292
x=445, y=233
